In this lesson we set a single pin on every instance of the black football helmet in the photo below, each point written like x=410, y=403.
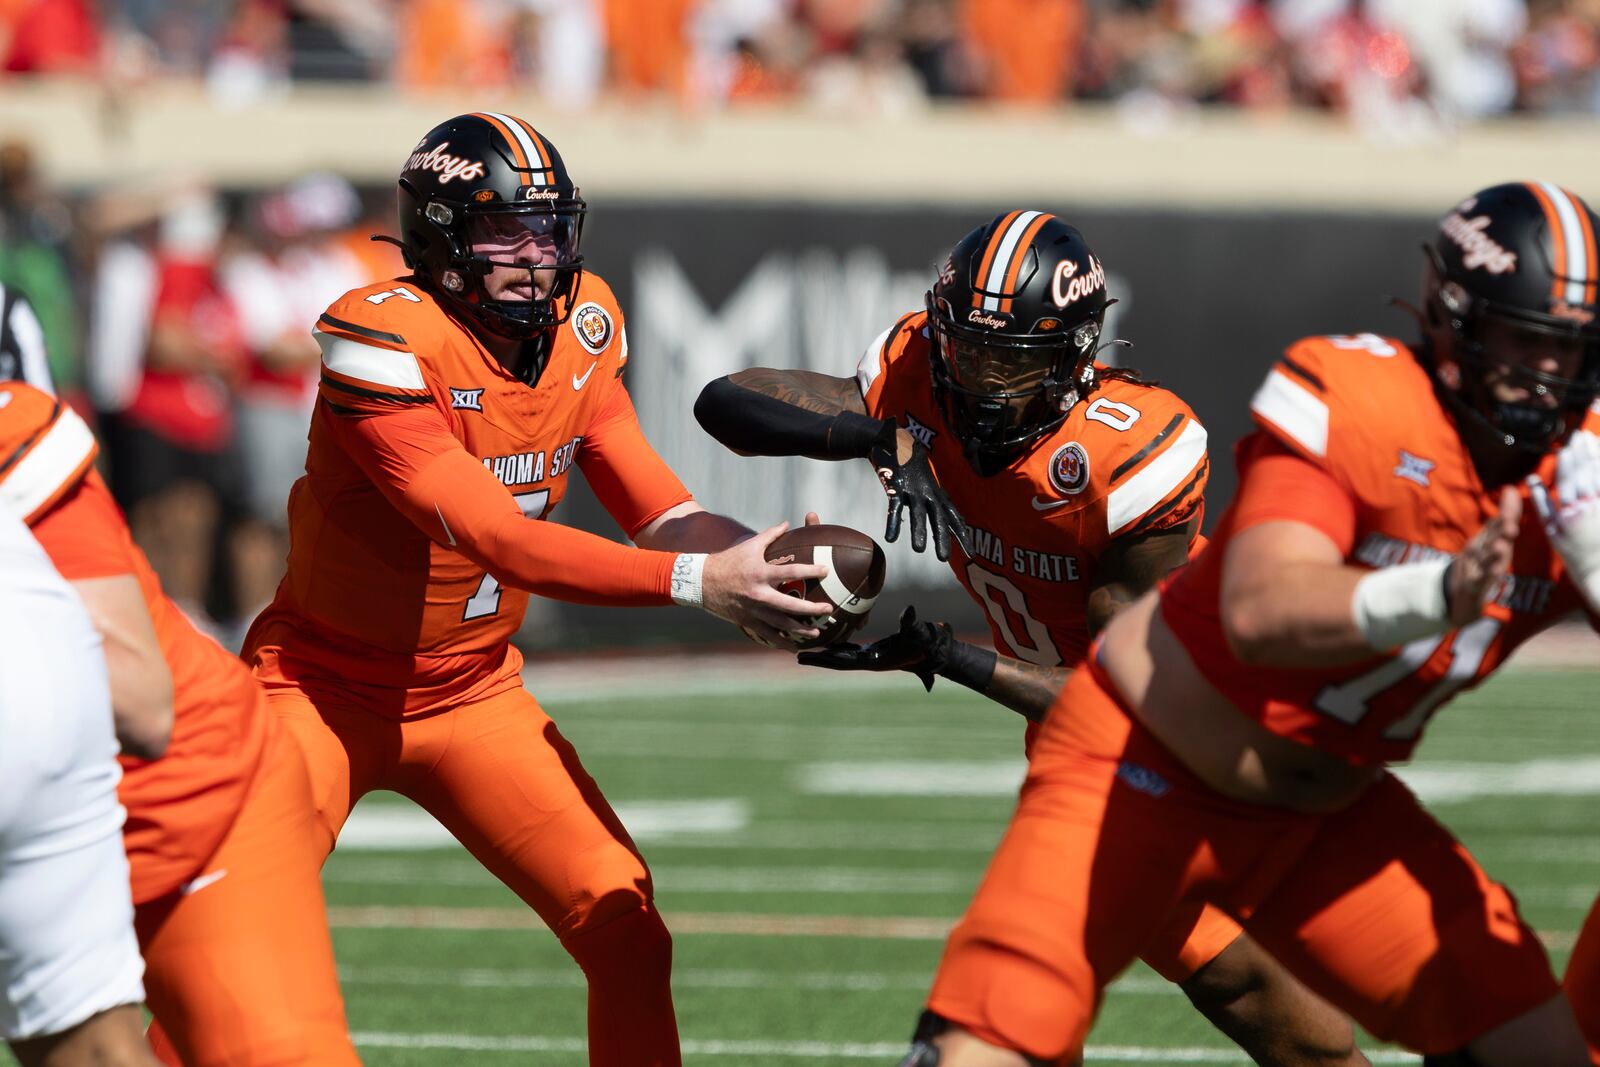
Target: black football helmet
x=490, y=177
x=1518, y=257
x=1014, y=319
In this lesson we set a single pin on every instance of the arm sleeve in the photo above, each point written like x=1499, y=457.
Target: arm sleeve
x=1277, y=484
x=84, y=533
x=414, y=460
x=630, y=478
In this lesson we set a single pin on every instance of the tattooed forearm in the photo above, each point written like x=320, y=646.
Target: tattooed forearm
x=823, y=394
x=1132, y=567
x=1026, y=688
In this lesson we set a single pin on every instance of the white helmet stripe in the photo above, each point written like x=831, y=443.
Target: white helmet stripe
x=1576, y=267
x=1002, y=257
x=535, y=159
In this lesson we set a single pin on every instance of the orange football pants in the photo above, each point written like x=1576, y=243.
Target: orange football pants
x=1194, y=934
x=239, y=967
x=501, y=778
x=1375, y=907
x=1582, y=981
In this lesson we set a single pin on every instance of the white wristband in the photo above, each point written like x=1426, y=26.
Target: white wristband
x=1396, y=605
x=687, y=570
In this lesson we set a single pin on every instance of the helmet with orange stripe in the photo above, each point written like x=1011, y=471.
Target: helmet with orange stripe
x=1014, y=319
x=1511, y=321
x=489, y=217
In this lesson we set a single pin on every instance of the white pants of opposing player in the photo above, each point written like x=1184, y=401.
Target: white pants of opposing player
x=67, y=947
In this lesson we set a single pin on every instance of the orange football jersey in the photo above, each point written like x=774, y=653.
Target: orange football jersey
x=1129, y=460
x=179, y=806
x=1363, y=410
x=380, y=594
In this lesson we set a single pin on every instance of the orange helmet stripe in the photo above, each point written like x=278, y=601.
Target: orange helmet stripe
x=1018, y=255
x=510, y=138
x=1591, y=254
x=996, y=239
x=539, y=144
x=1558, y=237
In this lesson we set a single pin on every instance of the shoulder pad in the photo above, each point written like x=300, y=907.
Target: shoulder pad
x=1150, y=451
x=881, y=353
x=45, y=448
x=1332, y=398
x=367, y=338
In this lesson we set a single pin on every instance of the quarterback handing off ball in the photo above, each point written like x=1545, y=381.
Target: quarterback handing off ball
x=855, y=575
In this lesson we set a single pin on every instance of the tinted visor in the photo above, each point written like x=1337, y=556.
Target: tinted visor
x=999, y=369
x=525, y=238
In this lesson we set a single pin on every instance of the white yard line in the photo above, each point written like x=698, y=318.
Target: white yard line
x=864, y=1050
x=867, y=881
x=1434, y=783
x=397, y=827
x=569, y=977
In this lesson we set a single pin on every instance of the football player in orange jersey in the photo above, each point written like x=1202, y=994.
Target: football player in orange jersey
x=221, y=834
x=1081, y=486
x=1237, y=721
x=455, y=402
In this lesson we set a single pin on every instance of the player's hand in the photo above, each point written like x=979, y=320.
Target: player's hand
x=1571, y=514
x=738, y=584
x=902, y=466
x=919, y=647
x=1486, y=559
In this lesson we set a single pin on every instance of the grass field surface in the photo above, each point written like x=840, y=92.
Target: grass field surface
x=813, y=836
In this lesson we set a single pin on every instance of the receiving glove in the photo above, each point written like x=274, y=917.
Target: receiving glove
x=912, y=486
x=1571, y=514
x=922, y=648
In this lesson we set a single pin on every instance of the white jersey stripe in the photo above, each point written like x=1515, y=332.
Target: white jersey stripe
x=1295, y=410
x=51, y=463
x=1002, y=257
x=1576, y=268
x=535, y=160
x=1158, y=480
x=369, y=363
x=871, y=362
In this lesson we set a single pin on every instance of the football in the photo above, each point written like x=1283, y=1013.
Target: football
x=855, y=575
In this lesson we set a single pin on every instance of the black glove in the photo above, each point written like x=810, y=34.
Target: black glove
x=920, y=647
x=911, y=485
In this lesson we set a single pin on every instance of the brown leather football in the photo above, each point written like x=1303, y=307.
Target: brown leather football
x=855, y=575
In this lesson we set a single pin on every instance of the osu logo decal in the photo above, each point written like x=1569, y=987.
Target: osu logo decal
x=1069, y=469
x=592, y=326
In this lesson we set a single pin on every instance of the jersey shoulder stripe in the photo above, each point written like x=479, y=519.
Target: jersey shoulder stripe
x=1293, y=410
x=332, y=324
x=1170, y=477
x=55, y=450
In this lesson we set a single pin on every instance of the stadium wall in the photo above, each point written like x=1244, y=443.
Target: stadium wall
x=792, y=238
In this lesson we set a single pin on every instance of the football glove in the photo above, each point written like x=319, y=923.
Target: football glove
x=1571, y=514
x=911, y=486
x=922, y=648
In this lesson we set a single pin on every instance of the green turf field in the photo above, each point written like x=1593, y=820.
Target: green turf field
x=808, y=916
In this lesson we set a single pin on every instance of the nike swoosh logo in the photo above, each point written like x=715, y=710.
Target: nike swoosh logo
x=448, y=536
x=1043, y=505
x=197, y=884
x=579, y=383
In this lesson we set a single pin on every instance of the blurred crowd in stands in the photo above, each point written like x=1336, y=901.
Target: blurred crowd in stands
x=179, y=321
x=1458, y=59
x=180, y=318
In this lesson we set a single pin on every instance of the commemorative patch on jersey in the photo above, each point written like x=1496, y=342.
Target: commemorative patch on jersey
x=1069, y=469
x=592, y=326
